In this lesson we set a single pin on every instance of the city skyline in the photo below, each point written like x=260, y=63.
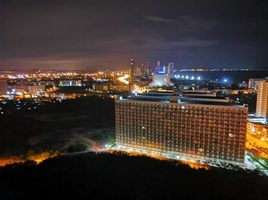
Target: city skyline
x=96, y=35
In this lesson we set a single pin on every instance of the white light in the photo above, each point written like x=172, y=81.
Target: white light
x=198, y=78
x=192, y=77
x=225, y=80
x=187, y=77
x=182, y=76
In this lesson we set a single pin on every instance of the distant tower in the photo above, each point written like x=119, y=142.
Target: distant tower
x=132, y=71
x=148, y=68
x=158, y=66
x=170, y=68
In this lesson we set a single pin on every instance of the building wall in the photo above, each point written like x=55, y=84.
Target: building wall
x=100, y=87
x=253, y=82
x=262, y=99
x=70, y=83
x=3, y=87
x=197, y=131
x=36, y=88
x=119, y=87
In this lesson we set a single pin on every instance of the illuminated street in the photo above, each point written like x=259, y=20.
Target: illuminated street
x=258, y=146
x=124, y=79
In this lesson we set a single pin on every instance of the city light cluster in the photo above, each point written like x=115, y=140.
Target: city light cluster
x=187, y=77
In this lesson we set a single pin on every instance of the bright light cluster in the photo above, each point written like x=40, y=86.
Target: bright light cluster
x=187, y=77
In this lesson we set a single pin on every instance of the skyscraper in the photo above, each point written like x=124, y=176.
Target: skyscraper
x=158, y=67
x=262, y=100
x=170, y=68
x=132, y=71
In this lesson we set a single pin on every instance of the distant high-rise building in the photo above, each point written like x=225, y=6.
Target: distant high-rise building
x=253, y=82
x=145, y=69
x=107, y=73
x=158, y=64
x=158, y=67
x=262, y=100
x=148, y=68
x=212, y=131
x=138, y=71
x=3, y=87
x=132, y=71
x=170, y=68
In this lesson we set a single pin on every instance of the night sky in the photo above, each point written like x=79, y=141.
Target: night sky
x=95, y=34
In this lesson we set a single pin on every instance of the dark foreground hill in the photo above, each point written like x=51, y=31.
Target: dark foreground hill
x=113, y=176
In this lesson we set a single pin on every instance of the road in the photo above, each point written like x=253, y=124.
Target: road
x=124, y=79
x=255, y=143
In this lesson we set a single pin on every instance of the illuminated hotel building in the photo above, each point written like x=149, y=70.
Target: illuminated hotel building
x=206, y=132
x=262, y=100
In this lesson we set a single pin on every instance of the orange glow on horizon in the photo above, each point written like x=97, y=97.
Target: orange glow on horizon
x=36, y=157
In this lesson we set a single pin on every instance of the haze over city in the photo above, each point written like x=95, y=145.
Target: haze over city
x=96, y=34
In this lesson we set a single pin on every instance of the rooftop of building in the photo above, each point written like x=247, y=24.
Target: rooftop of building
x=181, y=99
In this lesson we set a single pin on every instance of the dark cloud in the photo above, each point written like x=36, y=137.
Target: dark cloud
x=161, y=19
x=95, y=34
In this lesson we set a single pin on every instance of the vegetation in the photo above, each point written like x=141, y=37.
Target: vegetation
x=59, y=118
x=114, y=176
